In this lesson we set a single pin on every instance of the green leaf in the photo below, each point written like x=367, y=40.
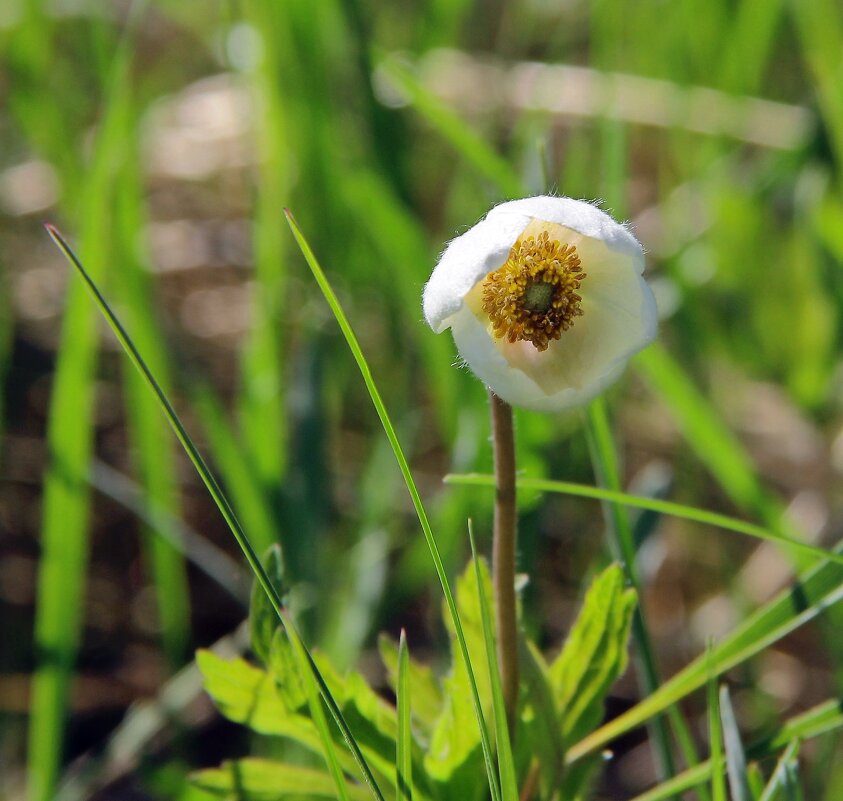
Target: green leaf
x=285, y=670
x=540, y=732
x=735, y=756
x=427, y=694
x=594, y=654
x=263, y=619
x=264, y=780
x=249, y=695
x=404, y=751
x=506, y=763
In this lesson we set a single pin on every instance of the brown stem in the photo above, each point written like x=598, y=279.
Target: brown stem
x=503, y=552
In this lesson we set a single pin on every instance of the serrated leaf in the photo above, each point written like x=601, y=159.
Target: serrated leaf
x=427, y=694
x=265, y=780
x=594, y=655
x=263, y=619
x=249, y=695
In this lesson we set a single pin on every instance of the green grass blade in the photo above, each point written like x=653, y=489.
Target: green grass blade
x=66, y=496
x=715, y=740
x=779, y=776
x=814, y=592
x=152, y=449
x=822, y=719
x=735, y=756
x=604, y=458
x=506, y=764
x=317, y=715
x=404, y=750
x=404, y=466
x=219, y=499
x=655, y=505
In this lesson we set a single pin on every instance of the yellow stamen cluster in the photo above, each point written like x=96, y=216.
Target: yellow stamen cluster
x=533, y=297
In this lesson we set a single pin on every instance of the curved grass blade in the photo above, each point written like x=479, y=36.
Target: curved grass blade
x=779, y=777
x=320, y=722
x=715, y=739
x=653, y=504
x=219, y=499
x=735, y=756
x=404, y=466
x=404, y=749
x=506, y=764
x=604, y=458
x=822, y=719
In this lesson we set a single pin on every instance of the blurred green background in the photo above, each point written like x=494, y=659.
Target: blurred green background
x=166, y=138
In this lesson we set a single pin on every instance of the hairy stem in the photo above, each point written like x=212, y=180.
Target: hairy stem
x=503, y=553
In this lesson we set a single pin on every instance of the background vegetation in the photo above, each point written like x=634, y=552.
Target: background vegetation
x=165, y=139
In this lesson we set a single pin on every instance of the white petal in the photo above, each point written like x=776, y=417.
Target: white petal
x=466, y=260
x=578, y=215
x=516, y=387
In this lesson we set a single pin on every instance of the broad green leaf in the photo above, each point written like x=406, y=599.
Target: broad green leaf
x=755, y=778
x=263, y=619
x=284, y=669
x=735, y=756
x=540, y=732
x=264, y=780
x=249, y=695
x=594, y=655
x=404, y=751
x=427, y=694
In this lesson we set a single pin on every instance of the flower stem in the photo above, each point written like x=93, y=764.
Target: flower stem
x=503, y=553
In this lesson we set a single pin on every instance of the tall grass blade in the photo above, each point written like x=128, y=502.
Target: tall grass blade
x=219, y=499
x=822, y=719
x=66, y=497
x=715, y=741
x=317, y=715
x=404, y=466
x=506, y=764
x=404, y=750
x=779, y=777
x=655, y=505
x=735, y=756
x=607, y=471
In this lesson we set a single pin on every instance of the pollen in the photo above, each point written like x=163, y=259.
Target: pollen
x=534, y=296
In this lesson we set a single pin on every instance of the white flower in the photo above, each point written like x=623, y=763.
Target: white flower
x=545, y=299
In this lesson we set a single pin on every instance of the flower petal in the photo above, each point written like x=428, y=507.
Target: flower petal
x=467, y=260
x=578, y=215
